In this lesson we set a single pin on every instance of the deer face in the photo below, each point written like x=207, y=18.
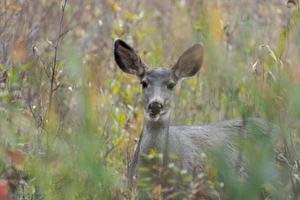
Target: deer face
x=157, y=83
x=158, y=88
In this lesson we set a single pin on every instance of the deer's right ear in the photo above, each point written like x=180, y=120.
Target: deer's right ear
x=189, y=62
x=127, y=59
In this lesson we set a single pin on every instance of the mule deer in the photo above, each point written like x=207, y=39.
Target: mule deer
x=186, y=142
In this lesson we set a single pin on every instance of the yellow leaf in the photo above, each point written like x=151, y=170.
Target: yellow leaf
x=130, y=16
x=116, y=7
x=122, y=118
x=243, y=88
x=216, y=20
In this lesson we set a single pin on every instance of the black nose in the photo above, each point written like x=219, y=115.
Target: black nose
x=155, y=107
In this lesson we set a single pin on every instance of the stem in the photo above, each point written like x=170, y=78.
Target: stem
x=53, y=86
x=54, y=66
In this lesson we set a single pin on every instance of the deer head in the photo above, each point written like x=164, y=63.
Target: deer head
x=157, y=83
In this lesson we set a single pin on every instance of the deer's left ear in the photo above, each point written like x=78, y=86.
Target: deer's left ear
x=189, y=62
x=127, y=59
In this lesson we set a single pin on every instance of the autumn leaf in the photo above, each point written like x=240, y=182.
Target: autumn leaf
x=3, y=190
x=16, y=156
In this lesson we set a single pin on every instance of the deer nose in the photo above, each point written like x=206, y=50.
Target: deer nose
x=155, y=107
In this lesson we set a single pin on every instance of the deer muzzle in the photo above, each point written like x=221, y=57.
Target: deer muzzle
x=155, y=108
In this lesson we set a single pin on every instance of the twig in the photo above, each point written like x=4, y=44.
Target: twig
x=108, y=151
x=54, y=66
x=61, y=33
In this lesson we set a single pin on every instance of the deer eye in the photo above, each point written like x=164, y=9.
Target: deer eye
x=144, y=84
x=171, y=85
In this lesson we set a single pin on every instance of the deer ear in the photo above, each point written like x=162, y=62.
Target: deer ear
x=127, y=59
x=189, y=62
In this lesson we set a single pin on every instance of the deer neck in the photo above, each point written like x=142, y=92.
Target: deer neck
x=155, y=135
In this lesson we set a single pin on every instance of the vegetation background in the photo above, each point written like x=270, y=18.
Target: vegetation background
x=69, y=118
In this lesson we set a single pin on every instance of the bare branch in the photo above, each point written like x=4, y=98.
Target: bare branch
x=61, y=33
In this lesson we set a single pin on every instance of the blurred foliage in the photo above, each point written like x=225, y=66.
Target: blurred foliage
x=70, y=119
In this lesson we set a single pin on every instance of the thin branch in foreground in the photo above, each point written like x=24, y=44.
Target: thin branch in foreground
x=61, y=33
